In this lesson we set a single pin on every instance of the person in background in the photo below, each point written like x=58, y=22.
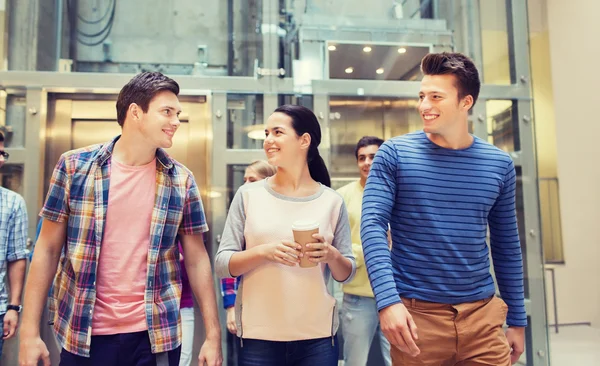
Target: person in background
x=13, y=255
x=359, y=316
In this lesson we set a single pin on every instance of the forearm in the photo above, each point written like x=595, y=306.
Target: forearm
x=341, y=268
x=201, y=281
x=41, y=273
x=16, y=277
x=246, y=260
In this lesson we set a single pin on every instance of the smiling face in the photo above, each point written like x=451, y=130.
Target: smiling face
x=159, y=124
x=439, y=105
x=282, y=145
x=366, y=155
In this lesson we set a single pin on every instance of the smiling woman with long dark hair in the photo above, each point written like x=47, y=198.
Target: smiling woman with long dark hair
x=285, y=315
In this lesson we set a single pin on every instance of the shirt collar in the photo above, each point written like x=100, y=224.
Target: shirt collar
x=106, y=152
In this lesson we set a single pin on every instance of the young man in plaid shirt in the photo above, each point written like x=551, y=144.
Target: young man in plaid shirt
x=114, y=211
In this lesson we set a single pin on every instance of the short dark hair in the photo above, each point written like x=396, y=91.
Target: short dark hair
x=367, y=141
x=457, y=64
x=1, y=136
x=141, y=89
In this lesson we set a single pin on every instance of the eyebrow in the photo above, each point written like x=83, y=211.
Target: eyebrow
x=171, y=108
x=432, y=92
x=275, y=128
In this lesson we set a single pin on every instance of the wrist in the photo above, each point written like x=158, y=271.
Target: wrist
x=16, y=308
x=26, y=332
x=213, y=337
x=337, y=256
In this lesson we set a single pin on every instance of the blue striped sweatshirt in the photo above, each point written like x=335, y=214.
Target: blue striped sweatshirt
x=439, y=203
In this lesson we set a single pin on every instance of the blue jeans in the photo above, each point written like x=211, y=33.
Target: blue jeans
x=360, y=323
x=127, y=349
x=311, y=352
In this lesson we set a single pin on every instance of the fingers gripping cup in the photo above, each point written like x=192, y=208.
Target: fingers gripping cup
x=303, y=231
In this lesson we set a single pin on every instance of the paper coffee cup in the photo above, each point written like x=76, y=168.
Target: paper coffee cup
x=303, y=231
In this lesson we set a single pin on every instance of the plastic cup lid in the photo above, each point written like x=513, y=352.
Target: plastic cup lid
x=302, y=225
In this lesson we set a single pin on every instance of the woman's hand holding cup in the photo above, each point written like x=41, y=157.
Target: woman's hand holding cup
x=321, y=251
x=286, y=252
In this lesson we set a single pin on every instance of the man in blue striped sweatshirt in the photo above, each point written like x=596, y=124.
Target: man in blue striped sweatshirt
x=440, y=189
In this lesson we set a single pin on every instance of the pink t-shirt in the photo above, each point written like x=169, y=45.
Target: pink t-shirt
x=122, y=265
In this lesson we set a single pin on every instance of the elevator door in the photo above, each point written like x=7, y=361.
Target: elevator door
x=77, y=120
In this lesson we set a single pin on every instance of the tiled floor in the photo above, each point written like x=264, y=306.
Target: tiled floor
x=575, y=346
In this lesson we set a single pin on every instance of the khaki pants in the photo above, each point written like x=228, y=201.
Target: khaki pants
x=468, y=334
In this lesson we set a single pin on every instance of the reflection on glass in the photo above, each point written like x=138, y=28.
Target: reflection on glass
x=246, y=39
x=375, y=61
x=235, y=179
x=352, y=118
x=494, y=42
x=298, y=99
x=245, y=121
x=11, y=177
x=503, y=124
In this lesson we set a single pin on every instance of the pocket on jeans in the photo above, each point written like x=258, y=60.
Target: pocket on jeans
x=351, y=299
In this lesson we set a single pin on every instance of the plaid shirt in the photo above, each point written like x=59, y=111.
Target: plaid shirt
x=78, y=193
x=229, y=288
x=13, y=236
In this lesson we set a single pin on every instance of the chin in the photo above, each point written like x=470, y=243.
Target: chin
x=430, y=129
x=272, y=161
x=166, y=144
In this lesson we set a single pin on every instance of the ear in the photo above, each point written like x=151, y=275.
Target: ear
x=467, y=102
x=305, y=141
x=135, y=112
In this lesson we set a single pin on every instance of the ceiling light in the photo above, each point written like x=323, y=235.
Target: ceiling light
x=255, y=132
x=367, y=49
x=379, y=70
x=331, y=48
x=401, y=50
x=349, y=70
x=257, y=135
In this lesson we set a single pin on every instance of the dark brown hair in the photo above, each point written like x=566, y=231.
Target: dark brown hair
x=141, y=89
x=367, y=141
x=457, y=64
x=305, y=121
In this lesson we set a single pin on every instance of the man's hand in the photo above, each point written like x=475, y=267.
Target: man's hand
x=399, y=328
x=210, y=353
x=31, y=350
x=11, y=320
x=231, y=326
x=516, y=341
